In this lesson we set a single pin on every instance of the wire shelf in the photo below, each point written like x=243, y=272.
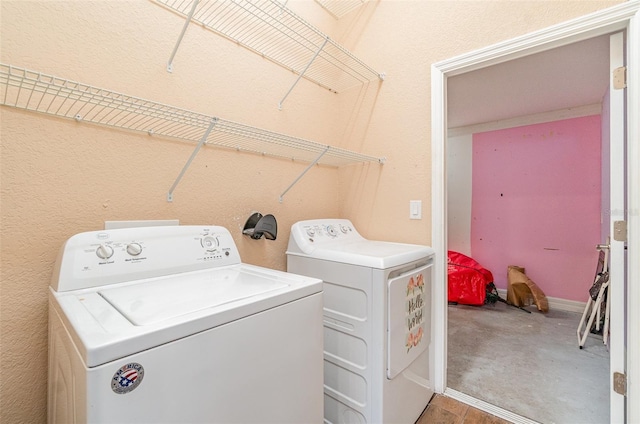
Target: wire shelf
x=38, y=92
x=269, y=29
x=339, y=8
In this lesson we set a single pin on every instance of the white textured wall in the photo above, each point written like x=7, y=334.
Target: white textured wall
x=459, y=185
x=61, y=177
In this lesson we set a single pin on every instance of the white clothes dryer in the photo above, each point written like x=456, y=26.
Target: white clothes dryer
x=377, y=319
x=167, y=325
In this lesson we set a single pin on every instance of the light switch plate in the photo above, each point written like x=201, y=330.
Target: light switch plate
x=415, y=209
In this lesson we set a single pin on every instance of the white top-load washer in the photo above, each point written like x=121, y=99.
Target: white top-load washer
x=167, y=325
x=377, y=321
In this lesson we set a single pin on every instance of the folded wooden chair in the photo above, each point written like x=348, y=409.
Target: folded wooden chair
x=598, y=294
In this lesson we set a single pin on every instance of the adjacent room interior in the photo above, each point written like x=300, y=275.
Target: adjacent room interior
x=527, y=185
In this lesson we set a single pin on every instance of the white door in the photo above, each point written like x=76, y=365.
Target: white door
x=617, y=265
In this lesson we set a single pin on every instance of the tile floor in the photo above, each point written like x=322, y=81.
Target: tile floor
x=444, y=410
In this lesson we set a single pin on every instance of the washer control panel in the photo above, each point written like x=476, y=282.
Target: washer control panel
x=99, y=258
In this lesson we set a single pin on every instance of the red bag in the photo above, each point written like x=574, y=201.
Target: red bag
x=467, y=279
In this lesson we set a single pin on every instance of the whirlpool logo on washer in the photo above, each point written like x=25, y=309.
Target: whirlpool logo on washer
x=127, y=378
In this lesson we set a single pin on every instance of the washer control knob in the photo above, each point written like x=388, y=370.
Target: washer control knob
x=104, y=251
x=210, y=243
x=331, y=230
x=311, y=232
x=344, y=229
x=134, y=249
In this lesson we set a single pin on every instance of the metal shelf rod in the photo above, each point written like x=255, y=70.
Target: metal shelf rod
x=303, y=172
x=203, y=140
x=303, y=72
x=184, y=30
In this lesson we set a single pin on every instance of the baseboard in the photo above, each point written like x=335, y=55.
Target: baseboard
x=556, y=303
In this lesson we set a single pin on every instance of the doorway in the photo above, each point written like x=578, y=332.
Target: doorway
x=614, y=19
x=536, y=204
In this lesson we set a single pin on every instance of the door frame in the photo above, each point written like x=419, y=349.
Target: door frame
x=622, y=17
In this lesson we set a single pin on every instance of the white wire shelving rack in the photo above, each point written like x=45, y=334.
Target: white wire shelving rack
x=339, y=8
x=269, y=29
x=37, y=92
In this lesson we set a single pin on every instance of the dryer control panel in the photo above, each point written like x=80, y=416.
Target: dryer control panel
x=324, y=232
x=337, y=240
x=99, y=258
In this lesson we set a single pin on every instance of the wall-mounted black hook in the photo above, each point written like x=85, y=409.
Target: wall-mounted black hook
x=258, y=225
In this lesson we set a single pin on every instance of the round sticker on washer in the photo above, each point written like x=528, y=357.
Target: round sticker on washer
x=127, y=378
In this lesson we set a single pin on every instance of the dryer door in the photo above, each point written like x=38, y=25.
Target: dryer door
x=409, y=307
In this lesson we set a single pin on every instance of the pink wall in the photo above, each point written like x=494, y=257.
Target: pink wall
x=536, y=203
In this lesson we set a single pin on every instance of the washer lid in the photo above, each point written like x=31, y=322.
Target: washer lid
x=155, y=301
x=113, y=322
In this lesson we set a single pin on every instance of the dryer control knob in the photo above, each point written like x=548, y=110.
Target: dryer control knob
x=210, y=243
x=134, y=249
x=104, y=251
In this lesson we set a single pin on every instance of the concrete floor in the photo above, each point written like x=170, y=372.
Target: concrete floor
x=529, y=364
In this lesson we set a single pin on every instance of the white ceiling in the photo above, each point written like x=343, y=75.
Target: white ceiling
x=565, y=77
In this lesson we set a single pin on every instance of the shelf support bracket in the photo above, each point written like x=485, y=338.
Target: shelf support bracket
x=304, y=172
x=303, y=72
x=202, y=141
x=184, y=29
